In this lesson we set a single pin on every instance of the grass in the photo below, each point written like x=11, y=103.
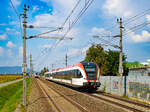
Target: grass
x=22, y=107
x=10, y=96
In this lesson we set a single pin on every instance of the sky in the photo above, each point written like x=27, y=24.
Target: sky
x=99, y=19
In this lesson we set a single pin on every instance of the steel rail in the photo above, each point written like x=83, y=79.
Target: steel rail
x=49, y=97
x=116, y=103
x=128, y=101
x=70, y=100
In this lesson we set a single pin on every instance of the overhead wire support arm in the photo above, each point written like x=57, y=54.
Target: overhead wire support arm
x=32, y=26
x=59, y=28
x=48, y=37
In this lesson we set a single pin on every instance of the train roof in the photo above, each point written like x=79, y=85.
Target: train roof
x=62, y=68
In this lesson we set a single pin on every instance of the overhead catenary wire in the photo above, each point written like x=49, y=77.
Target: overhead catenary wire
x=72, y=11
x=141, y=14
x=15, y=10
x=136, y=27
x=64, y=21
x=138, y=16
x=129, y=20
x=88, y=3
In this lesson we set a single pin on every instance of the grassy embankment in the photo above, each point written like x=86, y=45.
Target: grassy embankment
x=10, y=96
x=7, y=78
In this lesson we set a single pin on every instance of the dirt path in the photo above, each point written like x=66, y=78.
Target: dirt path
x=38, y=102
x=10, y=82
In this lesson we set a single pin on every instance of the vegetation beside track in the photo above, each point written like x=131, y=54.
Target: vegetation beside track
x=10, y=96
x=7, y=78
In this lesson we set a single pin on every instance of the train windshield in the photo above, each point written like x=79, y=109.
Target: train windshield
x=90, y=69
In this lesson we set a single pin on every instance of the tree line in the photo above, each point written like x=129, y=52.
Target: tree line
x=108, y=61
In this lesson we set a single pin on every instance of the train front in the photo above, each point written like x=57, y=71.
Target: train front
x=91, y=74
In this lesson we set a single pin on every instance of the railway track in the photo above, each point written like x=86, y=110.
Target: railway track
x=60, y=108
x=129, y=101
x=119, y=103
x=127, y=105
x=49, y=97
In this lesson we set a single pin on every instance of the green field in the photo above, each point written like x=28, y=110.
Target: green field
x=7, y=78
x=10, y=96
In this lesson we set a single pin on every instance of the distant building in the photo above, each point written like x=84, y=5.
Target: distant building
x=140, y=71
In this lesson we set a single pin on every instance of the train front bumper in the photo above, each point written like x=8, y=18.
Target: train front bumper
x=92, y=84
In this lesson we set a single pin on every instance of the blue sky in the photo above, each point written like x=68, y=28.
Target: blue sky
x=97, y=20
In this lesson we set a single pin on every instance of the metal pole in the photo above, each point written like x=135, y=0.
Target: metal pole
x=120, y=58
x=24, y=65
x=66, y=60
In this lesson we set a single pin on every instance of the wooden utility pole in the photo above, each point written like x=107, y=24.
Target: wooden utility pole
x=121, y=54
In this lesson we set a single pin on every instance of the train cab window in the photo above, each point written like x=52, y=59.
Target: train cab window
x=79, y=75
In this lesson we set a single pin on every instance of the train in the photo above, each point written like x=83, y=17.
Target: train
x=82, y=75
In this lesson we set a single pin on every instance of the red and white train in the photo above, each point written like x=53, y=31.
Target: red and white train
x=84, y=74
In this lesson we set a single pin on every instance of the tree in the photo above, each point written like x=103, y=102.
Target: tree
x=133, y=64
x=97, y=55
x=113, y=59
x=43, y=71
x=108, y=61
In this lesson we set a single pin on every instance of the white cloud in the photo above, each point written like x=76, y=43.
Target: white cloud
x=75, y=51
x=148, y=18
x=61, y=9
x=8, y=29
x=99, y=31
x=117, y=7
x=35, y=8
x=144, y=37
x=46, y=46
x=3, y=37
x=10, y=44
x=127, y=13
x=16, y=2
x=63, y=6
x=12, y=31
x=1, y=51
x=47, y=20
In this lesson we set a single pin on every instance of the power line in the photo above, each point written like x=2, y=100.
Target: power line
x=15, y=10
x=71, y=13
x=137, y=16
x=136, y=27
x=88, y=3
x=107, y=42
